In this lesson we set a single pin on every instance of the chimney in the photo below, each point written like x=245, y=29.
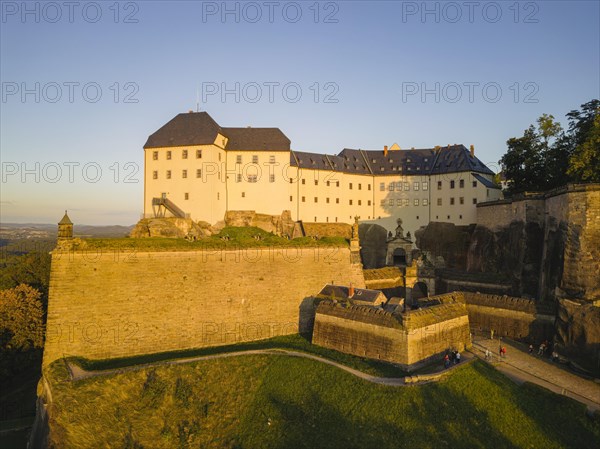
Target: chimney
x=472, y=150
x=351, y=289
x=385, y=150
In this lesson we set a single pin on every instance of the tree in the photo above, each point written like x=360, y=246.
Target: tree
x=584, y=164
x=523, y=163
x=21, y=319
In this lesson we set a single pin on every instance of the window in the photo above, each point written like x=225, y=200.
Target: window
x=474, y=200
x=243, y=194
x=391, y=202
x=184, y=174
x=184, y=154
x=382, y=186
x=350, y=202
x=255, y=159
x=303, y=181
x=425, y=185
x=460, y=217
x=359, y=202
x=425, y=202
x=474, y=183
x=368, y=186
x=415, y=186
x=461, y=200
x=383, y=202
x=271, y=178
x=391, y=186
x=398, y=202
x=168, y=155
x=350, y=186
x=252, y=178
x=316, y=199
x=439, y=201
x=407, y=186
x=337, y=184
x=448, y=217
x=303, y=199
x=337, y=201
x=398, y=186
x=186, y=196
x=198, y=173
x=238, y=177
x=461, y=183
x=155, y=155
x=327, y=200
x=198, y=154
x=218, y=196
x=238, y=159
x=406, y=201
x=168, y=174
x=316, y=182
x=291, y=198
x=327, y=183
x=154, y=174
x=359, y=186
x=416, y=202
x=271, y=159
x=439, y=185
x=452, y=201
x=452, y=184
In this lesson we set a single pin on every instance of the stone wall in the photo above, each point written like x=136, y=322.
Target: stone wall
x=516, y=318
x=410, y=339
x=107, y=304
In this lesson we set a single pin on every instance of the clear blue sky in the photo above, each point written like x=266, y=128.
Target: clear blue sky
x=544, y=56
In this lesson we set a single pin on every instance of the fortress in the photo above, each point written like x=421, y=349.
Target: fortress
x=194, y=167
x=105, y=302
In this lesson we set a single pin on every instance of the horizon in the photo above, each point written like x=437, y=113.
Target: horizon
x=75, y=113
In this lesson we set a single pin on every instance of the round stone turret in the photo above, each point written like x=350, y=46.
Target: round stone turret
x=65, y=228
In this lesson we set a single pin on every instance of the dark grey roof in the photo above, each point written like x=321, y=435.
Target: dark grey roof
x=315, y=161
x=191, y=128
x=256, y=139
x=340, y=292
x=457, y=158
x=426, y=161
x=486, y=182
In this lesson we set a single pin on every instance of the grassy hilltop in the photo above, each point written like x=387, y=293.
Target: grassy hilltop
x=275, y=401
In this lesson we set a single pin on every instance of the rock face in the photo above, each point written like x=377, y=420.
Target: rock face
x=373, y=243
x=578, y=333
x=281, y=225
x=169, y=227
x=446, y=240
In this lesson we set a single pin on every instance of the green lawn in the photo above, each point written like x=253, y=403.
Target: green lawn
x=237, y=237
x=266, y=401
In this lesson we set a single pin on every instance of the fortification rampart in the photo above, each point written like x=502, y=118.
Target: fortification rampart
x=410, y=339
x=103, y=304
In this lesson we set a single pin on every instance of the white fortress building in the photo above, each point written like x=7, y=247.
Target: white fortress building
x=198, y=169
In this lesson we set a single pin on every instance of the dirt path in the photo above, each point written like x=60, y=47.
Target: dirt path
x=78, y=373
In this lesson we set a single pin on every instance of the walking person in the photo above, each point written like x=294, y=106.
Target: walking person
x=487, y=354
x=446, y=361
x=530, y=349
x=457, y=357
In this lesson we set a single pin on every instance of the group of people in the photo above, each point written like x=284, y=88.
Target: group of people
x=543, y=349
x=452, y=357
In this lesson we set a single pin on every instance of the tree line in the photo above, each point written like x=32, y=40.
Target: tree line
x=547, y=156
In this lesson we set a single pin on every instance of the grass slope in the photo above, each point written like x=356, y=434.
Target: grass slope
x=286, y=402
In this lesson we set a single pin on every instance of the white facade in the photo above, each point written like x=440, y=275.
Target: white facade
x=208, y=179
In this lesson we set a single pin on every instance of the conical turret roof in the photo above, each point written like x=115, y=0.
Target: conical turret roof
x=65, y=220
